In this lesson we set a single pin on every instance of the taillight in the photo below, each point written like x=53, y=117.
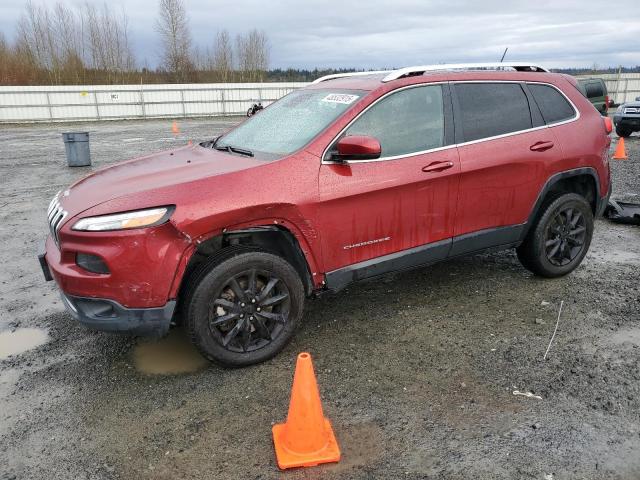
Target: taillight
x=608, y=126
x=606, y=102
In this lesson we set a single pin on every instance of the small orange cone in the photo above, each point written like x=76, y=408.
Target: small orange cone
x=306, y=439
x=620, y=153
x=174, y=128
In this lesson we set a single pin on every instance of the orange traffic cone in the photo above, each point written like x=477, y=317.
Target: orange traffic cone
x=620, y=153
x=306, y=439
x=174, y=128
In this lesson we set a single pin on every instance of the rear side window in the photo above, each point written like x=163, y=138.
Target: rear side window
x=553, y=105
x=405, y=122
x=490, y=109
x=594, y=90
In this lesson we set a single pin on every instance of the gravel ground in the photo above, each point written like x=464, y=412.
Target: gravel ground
x=417, y=370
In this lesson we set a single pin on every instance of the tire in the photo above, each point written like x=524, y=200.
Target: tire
x=250, y=112
x=224, y=323
x=623, y=132
x=565, y=222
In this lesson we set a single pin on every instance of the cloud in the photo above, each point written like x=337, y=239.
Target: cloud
x=377, y=33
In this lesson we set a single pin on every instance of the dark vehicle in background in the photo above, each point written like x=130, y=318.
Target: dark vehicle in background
x=627, y=118
x=255, y=108
x=596, y=92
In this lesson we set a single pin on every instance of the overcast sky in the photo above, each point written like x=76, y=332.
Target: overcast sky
x=379, y=33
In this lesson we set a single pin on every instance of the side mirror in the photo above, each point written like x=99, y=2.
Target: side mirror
x=357, y=147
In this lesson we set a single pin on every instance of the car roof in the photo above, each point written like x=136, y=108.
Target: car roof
x=375, y=81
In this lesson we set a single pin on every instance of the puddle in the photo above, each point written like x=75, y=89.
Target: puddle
x=21, y=340
x=170, y=355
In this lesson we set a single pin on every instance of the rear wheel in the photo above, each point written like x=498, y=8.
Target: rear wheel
x=560, y=238
x=623, y=132
x=244, y=309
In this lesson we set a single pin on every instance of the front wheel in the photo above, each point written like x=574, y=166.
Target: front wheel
x=560, y=238
x=244, y=309
x=623, y=132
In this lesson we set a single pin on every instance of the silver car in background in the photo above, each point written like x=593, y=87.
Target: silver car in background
x=627, y=118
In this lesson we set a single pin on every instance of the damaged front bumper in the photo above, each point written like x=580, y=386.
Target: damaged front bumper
x=133, y=293
x=110, y=316
x=622, y=212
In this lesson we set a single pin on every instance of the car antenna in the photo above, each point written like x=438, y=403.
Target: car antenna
x=504, y=54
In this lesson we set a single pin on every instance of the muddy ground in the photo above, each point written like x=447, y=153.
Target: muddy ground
x=417, y=371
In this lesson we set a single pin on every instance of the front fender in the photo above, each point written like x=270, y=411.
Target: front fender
x=287, y=217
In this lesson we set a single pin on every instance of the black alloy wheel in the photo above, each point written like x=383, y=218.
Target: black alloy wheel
x=243, y=305
x=249, y=311
x=565, y=236
x=559, y=236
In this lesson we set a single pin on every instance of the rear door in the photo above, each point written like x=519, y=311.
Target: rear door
x=406, y=198
x=582, y=145
x=503, y=149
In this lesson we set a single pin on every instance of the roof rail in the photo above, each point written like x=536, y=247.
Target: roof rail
x=351, y=74
x=419, y=70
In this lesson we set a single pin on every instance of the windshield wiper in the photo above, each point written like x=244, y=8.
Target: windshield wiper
x=210, y=143
x=230, y=149
x=241, y=151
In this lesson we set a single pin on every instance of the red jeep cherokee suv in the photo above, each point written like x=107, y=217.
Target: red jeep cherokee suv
x=349, y=178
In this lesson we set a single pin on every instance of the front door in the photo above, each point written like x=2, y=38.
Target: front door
x=404, y=199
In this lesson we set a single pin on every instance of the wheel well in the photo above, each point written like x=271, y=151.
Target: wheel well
x=583, y=184
x=273, y=239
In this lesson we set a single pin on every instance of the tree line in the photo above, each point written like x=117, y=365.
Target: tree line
x=596, y=70
x=91, y=45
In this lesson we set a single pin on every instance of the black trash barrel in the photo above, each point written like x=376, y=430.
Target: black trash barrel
x=77, y=147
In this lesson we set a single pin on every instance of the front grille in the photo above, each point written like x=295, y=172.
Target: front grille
x=632, y=110
x=55, y=216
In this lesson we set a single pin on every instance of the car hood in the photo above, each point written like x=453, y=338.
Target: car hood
x=151, y=173
x=631, y=104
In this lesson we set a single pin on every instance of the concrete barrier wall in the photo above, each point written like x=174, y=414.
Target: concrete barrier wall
x=117, y=102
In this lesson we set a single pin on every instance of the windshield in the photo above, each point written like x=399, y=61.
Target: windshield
x=290, y=123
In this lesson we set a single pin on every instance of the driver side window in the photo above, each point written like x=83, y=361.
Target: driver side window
x=405, y=122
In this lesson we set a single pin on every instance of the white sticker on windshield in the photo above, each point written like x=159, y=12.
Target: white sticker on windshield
x=340, y=98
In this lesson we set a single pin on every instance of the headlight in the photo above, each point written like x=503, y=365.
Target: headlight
x=125, y=221
x=619, y=109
